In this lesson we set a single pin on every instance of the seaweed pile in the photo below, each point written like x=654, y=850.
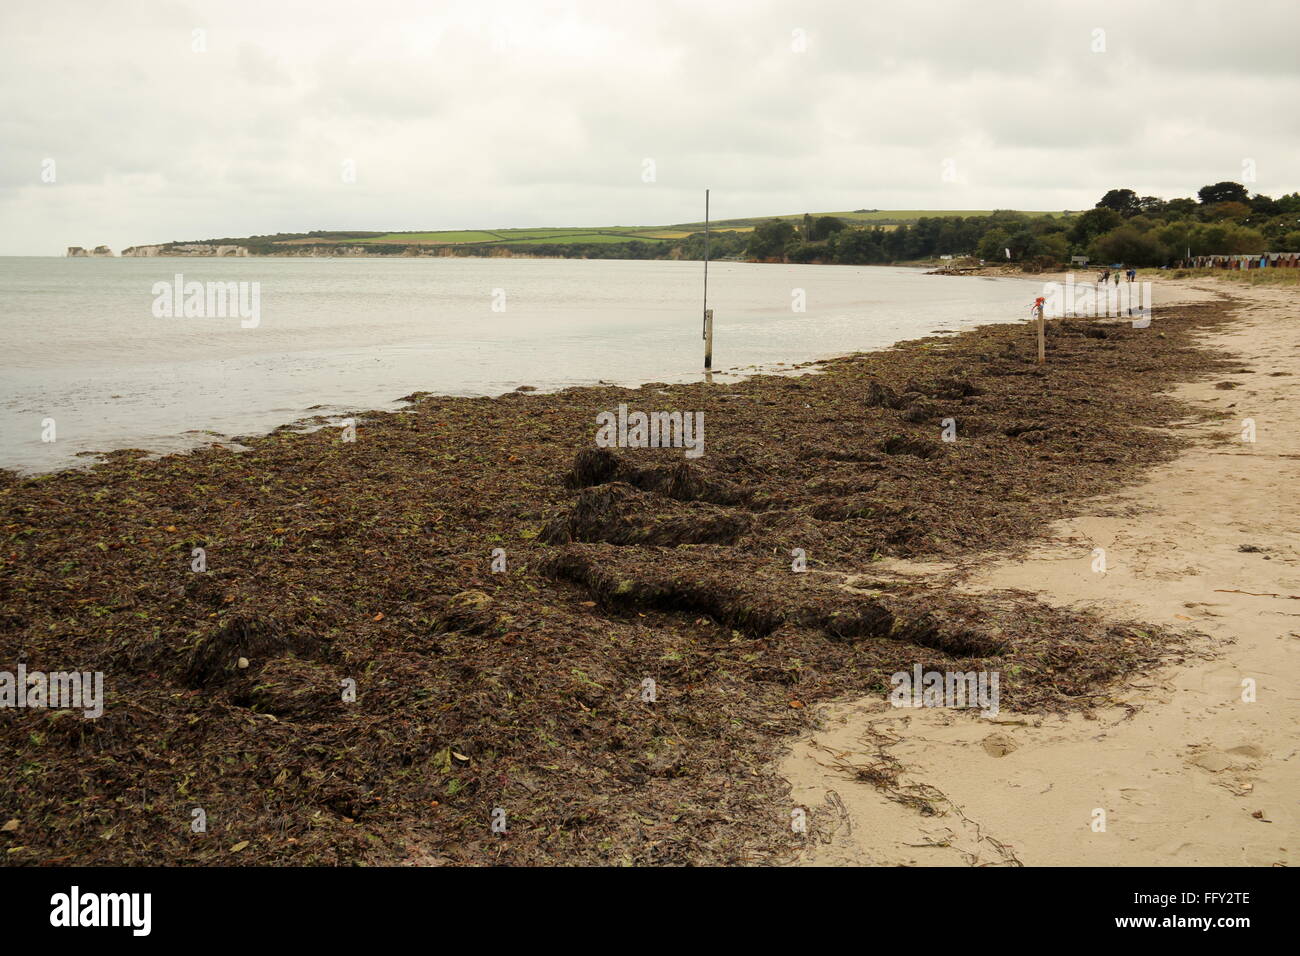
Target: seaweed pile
x=520, y=695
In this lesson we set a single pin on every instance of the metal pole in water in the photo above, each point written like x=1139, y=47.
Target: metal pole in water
x=708, y=313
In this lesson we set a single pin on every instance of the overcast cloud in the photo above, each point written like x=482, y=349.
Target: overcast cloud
x=482, y=114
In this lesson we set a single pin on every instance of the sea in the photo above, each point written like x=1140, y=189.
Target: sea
x=165, y=354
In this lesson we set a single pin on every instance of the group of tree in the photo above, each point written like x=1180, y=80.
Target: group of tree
x=1123, y=228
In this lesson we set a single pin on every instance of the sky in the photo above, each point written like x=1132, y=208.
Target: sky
x=129, y=123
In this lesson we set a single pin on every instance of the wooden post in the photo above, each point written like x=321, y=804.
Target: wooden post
x=1039, y=311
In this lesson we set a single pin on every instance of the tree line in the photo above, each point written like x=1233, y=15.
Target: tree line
x=1123, y=227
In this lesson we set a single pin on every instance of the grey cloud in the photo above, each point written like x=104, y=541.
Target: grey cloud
x=480, y=113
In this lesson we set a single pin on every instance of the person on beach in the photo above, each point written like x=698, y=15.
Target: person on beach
x=1105, y=275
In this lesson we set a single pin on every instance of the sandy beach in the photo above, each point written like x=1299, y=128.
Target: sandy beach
x=1194, y=763
x=558, y=439
x=614, y=645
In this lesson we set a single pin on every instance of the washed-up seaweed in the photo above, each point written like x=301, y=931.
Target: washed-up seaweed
x=471, y=615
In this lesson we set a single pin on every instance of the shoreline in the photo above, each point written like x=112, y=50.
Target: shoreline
x=372, y=561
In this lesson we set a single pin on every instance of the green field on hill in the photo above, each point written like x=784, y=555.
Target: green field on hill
x=602, y=235
x=518, y=236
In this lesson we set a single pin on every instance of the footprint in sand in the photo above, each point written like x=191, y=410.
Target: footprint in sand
x=1234, y=763
x=1248, y=751
x=1137, y=796
x=998, y=745
x=1213, y=761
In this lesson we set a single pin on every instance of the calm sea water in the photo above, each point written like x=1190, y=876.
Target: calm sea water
x=82, y=345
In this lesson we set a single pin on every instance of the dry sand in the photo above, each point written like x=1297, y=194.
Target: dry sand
x=1186, y=771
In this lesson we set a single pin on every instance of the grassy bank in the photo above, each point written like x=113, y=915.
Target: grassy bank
x=331, y=562
x=1278, y=277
